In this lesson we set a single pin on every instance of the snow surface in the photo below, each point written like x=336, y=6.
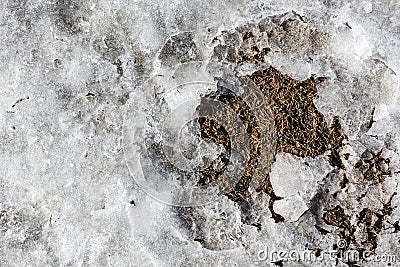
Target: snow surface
x=68, y=196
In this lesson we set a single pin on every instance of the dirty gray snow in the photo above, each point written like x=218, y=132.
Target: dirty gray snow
x=108, y=157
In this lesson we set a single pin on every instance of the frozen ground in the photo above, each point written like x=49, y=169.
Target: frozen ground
x=70, y=191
